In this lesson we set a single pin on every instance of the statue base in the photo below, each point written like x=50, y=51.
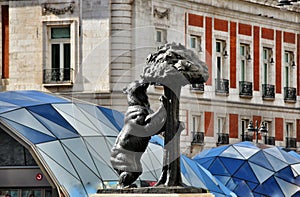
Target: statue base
x=154, y=192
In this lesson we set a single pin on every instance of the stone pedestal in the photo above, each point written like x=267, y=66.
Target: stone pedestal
x=153, y=192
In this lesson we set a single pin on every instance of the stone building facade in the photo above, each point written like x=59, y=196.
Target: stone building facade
x=92, y=49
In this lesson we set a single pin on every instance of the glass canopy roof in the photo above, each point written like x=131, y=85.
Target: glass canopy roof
x=71, y=139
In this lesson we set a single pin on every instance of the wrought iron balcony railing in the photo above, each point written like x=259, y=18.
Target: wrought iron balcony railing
x=270, y=140
x=58, y=76
x=248, y=137
x=245, y=89
x=268, y=91
x=198, y=138
x=222, y=86
x=223, y=138
x=198, y=87
x=291, y=142
x=290, y=94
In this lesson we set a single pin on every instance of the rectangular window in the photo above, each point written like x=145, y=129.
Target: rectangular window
x=267, y=60
x=195, y=43
x=60, y=53
x=288, y=71
x=197, y=123
x=221, y=125
x=161, y=36
x=289, y=129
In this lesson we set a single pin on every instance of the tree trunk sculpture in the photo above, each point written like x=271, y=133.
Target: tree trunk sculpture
x=173, y=66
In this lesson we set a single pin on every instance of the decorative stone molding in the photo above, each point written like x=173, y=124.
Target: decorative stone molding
x=161, y=14
x=58, y=8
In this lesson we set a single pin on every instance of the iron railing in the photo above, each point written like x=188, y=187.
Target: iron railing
x=198, y=138
x=57, y=75
x=222, y=86
x=223, y=138
x=268, y=91
x=270, y=140
x=245, y=89
x=248, y=137
x=291, y=142
x=290, y=94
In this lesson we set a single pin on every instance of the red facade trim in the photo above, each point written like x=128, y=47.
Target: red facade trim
x=258, y=120
x=245, y=29
x=233, y=54
x=220, y=25
x=289, y=37
x=233, y=125
x=256, y=50
x=195, y=20
x=267, y=33
x=208, y=47
x=279, y=129
x=298, y=129
x=278, y=61
x=209, y=124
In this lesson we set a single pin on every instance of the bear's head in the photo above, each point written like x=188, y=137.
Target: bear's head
x=137, y=94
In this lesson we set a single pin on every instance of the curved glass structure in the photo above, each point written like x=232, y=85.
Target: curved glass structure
x=248, y=169
x=71, y=140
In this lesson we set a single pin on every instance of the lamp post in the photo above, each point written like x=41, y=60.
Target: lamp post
x=261, y=129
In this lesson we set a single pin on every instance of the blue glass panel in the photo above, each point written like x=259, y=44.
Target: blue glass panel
x=286, y=174
x=157, y=140
x=89, y=178
x=223, y=179
x=217, y=168
x=243, y=190
x=231, y=184
x=72, y=184
x=34, y=136
x=117, y=118
x=269, y=188
x=287, y=188
x=205, y=162
x=260, y=159
x=274, y=151
x=231, y=152
x=23, y=117
x=247, y=152
x=202, y=154
x=296, y=169
x=216, y=151
x=261, y=173
x=232, y=165
x=6, y=106
x=152, y=159
x=277, y=164
x=290, y=158
x=251, y=185
x=77, y=147
x=59, y=131
x=245, y=173
x=293, y=153
x=48, y=112
x=246, y=144
x=41, y=96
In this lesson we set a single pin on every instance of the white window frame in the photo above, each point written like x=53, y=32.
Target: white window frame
x=197, y=45
x=162, y=39
x=288, y=70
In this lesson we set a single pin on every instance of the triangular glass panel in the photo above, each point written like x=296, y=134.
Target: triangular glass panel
x=59, y=131
x=252, y=185
x=77, y=119
x=205, y=162
x=243, y=190
x=286, y=174
x=115, y=117
x=269, y=188
x=231, y=184
x=202, y=154
x=245, y=173
x=261, y=173
x=22, y=116
x=78, y=147
x=232, y=165
x=246, y=152
x=275, y=152
x=49, y=113
x=55, y=152
x=277, y=164
x=231, y=152
x=216, y=151
x=223, y=179
x=296, y=169
x=71, y=183
x=287, y=188
x=32, y=135
x=217, y=168
x=260, y=159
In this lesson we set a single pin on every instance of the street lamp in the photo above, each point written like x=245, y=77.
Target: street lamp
x=261, y=129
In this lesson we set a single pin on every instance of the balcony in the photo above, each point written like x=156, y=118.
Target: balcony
x=245, y=89
x=223, y=138
x=269, y=140
x=222, y=86
x=198, y=138
x=199, y=87
x=268, y=92
x=247, y=137
x=58, y=76
x=291, y=143
x=290, y=94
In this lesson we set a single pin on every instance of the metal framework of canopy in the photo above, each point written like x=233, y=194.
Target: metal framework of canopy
x=71, y=139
